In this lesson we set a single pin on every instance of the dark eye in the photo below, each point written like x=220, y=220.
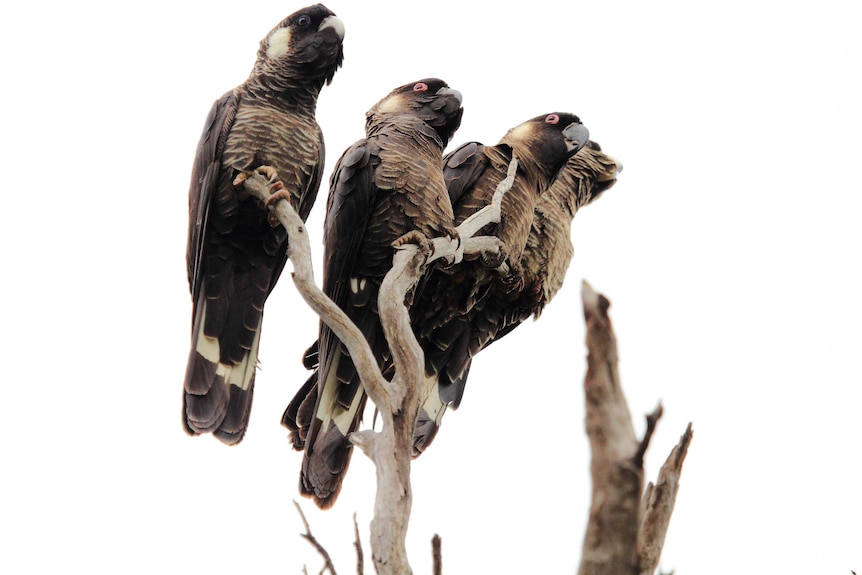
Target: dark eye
x=303, y=21
x=420, y=87
x=552, y=119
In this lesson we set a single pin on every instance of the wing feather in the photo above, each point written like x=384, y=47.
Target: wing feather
x=205, y=175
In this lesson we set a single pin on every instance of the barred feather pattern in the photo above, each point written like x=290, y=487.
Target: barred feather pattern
x=235, y=256
x=544, y=262
x=383, y=187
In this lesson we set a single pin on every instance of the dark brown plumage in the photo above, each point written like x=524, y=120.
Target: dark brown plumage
x=235, y=255
x=549, y=248
x=383, y=187
x=472, y=172
x=470, y=298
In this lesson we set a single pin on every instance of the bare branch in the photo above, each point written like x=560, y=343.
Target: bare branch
x=490, y=213
x=303, y=277
x=397, y=401
x=626, y=531
x=360, y=558
x=327, y=560
x=651, y=421
x=391, y=449
x=657, y=506
x=609, y=543
x=437, y=554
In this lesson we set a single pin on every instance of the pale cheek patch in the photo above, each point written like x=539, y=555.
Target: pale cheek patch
x=391, y=105
x=278, y=43
x=520, y=132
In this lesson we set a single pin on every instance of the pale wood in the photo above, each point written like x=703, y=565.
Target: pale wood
x=627, y=526
x=397, y=401
x=303, y=277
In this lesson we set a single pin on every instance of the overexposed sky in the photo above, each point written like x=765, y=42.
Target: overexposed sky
x=730, y=248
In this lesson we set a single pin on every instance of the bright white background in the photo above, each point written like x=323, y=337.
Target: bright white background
x=729, y=247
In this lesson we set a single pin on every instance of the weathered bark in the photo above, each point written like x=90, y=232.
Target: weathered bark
x=437, y=555
x=626, y=529
x=657, y=506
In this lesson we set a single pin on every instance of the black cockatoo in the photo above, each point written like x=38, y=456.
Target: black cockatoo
x=235, y=253
x=458, y=304
x=384, y=187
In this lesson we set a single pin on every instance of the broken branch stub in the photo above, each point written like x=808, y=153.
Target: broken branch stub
x=626, y=528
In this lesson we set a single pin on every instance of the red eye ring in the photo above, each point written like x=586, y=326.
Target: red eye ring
x=420, y=87
x=552, y=119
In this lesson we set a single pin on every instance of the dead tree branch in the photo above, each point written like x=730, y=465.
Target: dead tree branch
x=626, y=528
x=327, y=560
x=437, y=555
x=397, y=400
x=624, y=535
x=303, y=277
x=657, y=506
x=360, y=556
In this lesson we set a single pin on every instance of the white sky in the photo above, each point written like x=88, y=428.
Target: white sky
x=729, y=248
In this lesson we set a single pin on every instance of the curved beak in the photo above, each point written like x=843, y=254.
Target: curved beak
x=333, y=22
x=451, y=92
x=576, y=136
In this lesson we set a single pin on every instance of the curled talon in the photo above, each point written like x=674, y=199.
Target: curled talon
x=512, y=284
x=418, y=239
x=513, y=281
x=278, y=193
x=458, y=256
x=448, y=264
x=496, y=259
x=268, y=172
x=240, y=179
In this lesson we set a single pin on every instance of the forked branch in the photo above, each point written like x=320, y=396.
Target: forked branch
x=397, y=400
x=626, y=527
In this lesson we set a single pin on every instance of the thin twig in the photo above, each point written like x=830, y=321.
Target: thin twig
x=327, y=560
x=437, y=554
x=360, y=559
x=651, y=421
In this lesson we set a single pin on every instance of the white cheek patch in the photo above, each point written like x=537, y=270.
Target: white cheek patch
x=521, y=132
x=392, y=104
x=278, y=43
